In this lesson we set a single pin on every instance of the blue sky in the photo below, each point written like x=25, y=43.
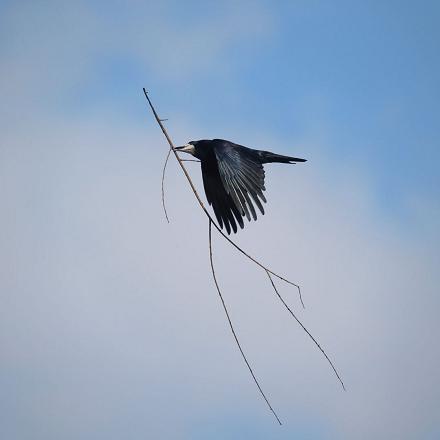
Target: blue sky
x=110, y=325
x=365, y=73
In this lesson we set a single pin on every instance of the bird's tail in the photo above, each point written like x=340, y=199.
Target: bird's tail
x=268, y=157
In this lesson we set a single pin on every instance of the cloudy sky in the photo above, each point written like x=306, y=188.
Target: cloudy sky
x=110, y=325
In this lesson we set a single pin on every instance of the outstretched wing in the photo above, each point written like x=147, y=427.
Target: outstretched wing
x=224, y=207
x=242, y=176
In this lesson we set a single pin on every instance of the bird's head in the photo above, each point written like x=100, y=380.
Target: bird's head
x=189, y=148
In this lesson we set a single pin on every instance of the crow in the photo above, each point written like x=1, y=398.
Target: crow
x=233, y=178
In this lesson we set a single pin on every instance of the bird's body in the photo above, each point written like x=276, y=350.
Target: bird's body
x=233, y=178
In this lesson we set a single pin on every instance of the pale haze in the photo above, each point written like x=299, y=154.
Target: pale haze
x=110, y=324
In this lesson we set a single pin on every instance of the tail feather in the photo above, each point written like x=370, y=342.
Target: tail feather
x=268, y=157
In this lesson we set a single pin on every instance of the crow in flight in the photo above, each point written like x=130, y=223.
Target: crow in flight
x=233, y=177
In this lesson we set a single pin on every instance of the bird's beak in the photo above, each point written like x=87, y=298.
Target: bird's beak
x=187, y=148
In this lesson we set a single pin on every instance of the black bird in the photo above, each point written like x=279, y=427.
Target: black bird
x=233, y=177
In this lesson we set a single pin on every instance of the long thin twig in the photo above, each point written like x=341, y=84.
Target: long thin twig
x=163, y=185
x=212, y=222
x=163, y=180
x=232, y=327
x=170, y=142
x=304, y=328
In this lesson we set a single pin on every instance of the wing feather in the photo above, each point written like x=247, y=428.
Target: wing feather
x=242, y=176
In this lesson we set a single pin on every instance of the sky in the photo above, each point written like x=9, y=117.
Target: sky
x=110, y=324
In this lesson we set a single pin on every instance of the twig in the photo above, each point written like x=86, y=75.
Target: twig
x=261, y=265
x=163, y=180
x=163, y=188
x=232, y=327
x=304, y=328
x=170, y=142
x=212, y=222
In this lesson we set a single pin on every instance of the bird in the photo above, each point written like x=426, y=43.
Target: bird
x=233, y=178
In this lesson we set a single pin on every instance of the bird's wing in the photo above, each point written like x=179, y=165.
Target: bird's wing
x=225, y=210
x=242, y=175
